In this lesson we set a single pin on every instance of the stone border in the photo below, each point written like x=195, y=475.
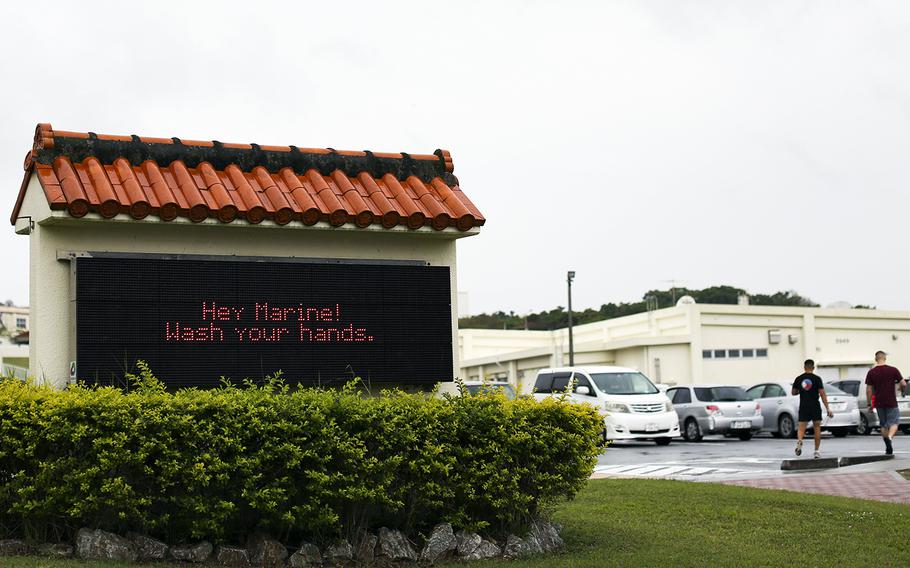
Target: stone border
x=386, y=547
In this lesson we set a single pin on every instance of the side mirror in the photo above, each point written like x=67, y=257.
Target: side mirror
x=582, y=390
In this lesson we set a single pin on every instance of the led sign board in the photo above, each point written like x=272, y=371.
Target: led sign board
x=197, y=320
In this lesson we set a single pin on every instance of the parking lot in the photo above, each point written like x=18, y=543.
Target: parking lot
x=717, y=458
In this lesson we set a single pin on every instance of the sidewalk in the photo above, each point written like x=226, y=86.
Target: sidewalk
x=877, y=481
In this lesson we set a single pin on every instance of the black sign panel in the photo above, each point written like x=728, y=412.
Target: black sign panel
x=195, y=321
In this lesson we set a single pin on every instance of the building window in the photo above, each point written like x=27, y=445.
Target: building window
x=733, y=353
x=20, y=323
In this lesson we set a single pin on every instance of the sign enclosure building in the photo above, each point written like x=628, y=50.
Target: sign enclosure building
x=210, y=259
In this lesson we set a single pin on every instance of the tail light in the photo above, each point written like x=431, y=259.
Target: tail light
x=757, y=409
x=714, y=409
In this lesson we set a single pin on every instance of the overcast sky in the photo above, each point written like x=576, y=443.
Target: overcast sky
x=760, y=144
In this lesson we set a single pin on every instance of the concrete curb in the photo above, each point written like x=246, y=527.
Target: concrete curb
x=830, y=463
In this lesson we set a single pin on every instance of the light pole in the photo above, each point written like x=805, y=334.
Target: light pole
x=570, y=277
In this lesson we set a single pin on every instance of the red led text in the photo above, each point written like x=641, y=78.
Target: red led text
x=256, y=323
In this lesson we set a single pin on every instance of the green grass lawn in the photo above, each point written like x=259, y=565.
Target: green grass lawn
x=674, y=523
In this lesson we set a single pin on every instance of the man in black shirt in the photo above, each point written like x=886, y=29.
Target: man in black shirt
x=809, y=387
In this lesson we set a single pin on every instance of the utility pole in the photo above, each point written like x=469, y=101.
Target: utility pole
x=570, y=277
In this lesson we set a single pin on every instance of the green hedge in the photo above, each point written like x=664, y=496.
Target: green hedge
x=295, y=463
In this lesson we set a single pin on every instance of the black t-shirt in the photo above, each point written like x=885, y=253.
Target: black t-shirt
x=808, y=385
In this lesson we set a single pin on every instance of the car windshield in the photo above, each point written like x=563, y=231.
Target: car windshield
x=507, y=390
x=721, y=394
x=623, y=383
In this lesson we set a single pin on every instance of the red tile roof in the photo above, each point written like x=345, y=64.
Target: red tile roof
x=170, y=178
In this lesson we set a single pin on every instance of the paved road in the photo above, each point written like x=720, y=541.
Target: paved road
x=718, y=459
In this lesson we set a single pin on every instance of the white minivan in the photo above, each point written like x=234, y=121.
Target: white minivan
x=631, y=406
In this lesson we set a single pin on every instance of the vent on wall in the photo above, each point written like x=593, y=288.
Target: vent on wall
x=774, y=336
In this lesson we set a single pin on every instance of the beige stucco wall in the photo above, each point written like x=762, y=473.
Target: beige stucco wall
x=667, y=344
x=52, y=333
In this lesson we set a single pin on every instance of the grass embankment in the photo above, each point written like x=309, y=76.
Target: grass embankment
x=17, y=361
x=675, y=523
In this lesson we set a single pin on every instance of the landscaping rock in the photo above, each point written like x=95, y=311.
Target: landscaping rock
x=440, y=544
x=266, y=552
x=308, y=555
x=366, y=550
x=195, y=553
x=484, y=550
x=102, y=545
x=517, y=547
x=148, y=548
x=339, y=554
x=56, y=550
x=466, y=543
x=547, y=535
x=232, y=556
x=11, y=547
x=393, y=545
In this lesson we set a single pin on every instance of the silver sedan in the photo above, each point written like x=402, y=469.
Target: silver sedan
x=868, y=419
x=781, y=409
x=715, y=409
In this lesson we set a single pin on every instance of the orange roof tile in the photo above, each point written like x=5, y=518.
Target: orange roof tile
x=111, y=175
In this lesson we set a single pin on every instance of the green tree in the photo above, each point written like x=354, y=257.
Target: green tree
x=558, y=317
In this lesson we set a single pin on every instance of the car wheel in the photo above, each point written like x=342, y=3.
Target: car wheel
x=785, y=426
x=839, y=432
x=744, y=436
x=863, y=427
x=691, y=431
x=905, y=428
x=662, y=441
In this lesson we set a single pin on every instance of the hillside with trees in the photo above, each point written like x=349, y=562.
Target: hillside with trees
x=559, y=317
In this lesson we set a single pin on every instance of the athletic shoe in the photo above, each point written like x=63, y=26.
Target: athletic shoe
x=888, y=448
x=818, y=454
x=799, y=448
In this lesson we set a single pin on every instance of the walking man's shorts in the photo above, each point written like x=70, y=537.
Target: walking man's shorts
x=809, y=413
x=888, y=416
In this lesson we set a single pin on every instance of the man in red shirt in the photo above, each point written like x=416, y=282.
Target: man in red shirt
x=881, y=381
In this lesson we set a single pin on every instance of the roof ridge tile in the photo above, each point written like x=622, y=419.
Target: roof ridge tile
x=170, y=177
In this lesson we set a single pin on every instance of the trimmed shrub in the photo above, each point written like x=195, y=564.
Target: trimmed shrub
x=295, y=463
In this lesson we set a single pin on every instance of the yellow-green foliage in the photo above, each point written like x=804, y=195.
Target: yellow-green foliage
x=311, y=463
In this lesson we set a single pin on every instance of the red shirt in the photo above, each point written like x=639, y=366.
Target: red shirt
x=882, y=378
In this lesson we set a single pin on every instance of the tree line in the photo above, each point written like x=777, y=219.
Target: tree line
x=655, y=299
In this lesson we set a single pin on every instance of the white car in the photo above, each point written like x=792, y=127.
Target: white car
x=631, y=406
x=479, y=387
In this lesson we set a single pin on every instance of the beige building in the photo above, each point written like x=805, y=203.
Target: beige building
x=694, y=343
x=13, y=320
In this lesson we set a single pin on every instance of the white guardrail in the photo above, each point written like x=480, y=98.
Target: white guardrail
x=14, y=370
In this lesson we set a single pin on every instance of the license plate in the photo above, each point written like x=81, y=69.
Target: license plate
x=741, y=424
x=651, y=428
